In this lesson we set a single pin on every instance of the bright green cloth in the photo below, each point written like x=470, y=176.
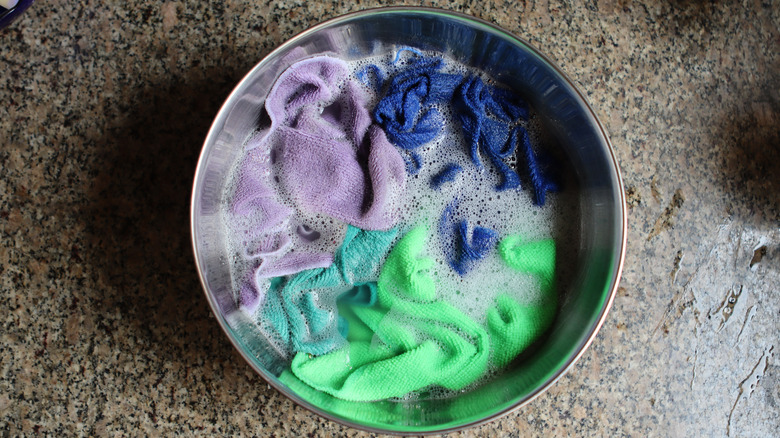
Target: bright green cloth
x=423, y=341
x=377, y=413
x=409, y=340
x=535, y=257
x=512, y=326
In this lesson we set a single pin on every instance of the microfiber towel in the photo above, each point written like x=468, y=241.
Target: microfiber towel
x=365, y=74
x=406, y=111
x=300, y=311
x=267, y=229
x=491, y=119
x=487, y=115
x=418, y=340
x=447, y=174
x=326, y=152
x=542, y=177
x=532, y=257
x=513, y=326
x=383, y=412
x=465, y=249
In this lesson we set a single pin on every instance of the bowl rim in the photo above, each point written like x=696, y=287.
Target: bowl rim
x=623, y=222
x=10, y=15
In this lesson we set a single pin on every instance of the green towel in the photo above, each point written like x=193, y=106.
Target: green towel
x=376, y=414
x=423, y=341
x=512, y=326
x=409, y=340
x=535, y=257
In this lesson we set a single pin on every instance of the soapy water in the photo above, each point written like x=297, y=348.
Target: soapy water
x=472, y=191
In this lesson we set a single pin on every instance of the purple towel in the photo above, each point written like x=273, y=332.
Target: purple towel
x=327, y=154
x=323, y=153
x=268, y=228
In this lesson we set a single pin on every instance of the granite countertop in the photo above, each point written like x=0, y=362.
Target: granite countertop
x=104, y=107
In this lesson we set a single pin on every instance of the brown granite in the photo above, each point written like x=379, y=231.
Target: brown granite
x=103, y=109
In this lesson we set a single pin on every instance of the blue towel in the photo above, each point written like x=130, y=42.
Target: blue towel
x=466, y=251
x=448, y=174
x=403, y=50
x=487, y=114
x=363, y=76
x=406, y=111
x=541, y=177
x=490, y=117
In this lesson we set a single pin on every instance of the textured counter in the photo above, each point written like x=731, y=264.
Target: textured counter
x=103, y=110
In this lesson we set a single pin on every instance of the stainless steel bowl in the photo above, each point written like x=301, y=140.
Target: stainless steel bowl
x=591, y=282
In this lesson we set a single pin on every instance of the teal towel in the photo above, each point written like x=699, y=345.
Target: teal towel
x=300, y=309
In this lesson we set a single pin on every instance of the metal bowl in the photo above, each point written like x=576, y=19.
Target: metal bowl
x=7, y=16
x=592, y=278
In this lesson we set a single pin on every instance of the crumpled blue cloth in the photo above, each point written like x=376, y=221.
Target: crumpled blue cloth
x=466, y=250
x=490, y=117
x=406, y=111
x=539, y=172
x=300, y=309
x=364, y=75
x=447, y=174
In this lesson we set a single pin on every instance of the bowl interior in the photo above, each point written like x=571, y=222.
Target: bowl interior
x=592, y=267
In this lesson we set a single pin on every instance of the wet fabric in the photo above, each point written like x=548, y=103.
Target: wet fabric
x=371, y=76
x=327, y=154
x=491, y=119
x=488, y=115
x=407, y=110
x=267, y=228
x=409, y=340
x=542, y=177
x=422, y=341
x=532, y=257
x=447, y=174
x=465, y=249
x=392, y=334
x=300, y=310
x=515, y=326
x=323, y=152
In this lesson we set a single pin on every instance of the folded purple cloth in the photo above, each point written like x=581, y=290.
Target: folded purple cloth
x=268, y=228
x=328, y=155
x=325, y=156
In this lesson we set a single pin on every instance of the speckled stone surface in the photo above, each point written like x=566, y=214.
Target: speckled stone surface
x=103, y=109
